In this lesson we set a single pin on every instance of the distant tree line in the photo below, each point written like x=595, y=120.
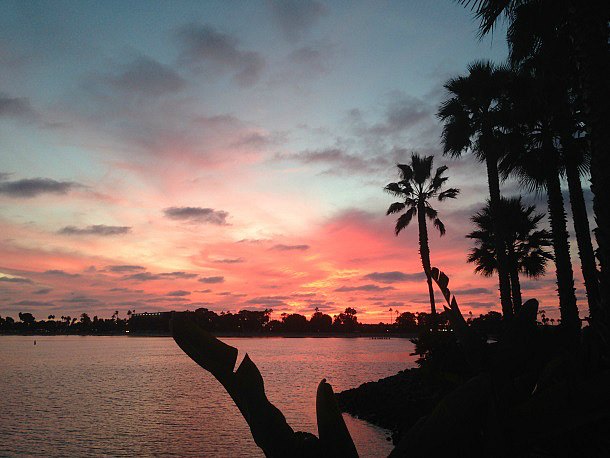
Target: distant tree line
x=247, y=322
x=83, y=324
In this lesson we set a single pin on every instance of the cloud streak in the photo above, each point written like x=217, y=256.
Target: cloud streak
x=33, y=187
x=211, y=280
x=197, y=215
x=97, y=229
x=394, y=277
x=282, y=247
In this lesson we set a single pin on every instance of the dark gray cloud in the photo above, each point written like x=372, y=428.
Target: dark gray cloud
x=16, y=107
x=42, y=291
x=147, y=77
x=486, y=305
x=205, y=47
x=142, y=276
x=394, y=304
x=125, y=290
x=124, y=268
x=96, y=229
x=167, y=299
x=369, y=287
x=394, y=277
x=179, y=293
x=179, y=274
x=472, y=291
x=32, y=187
x=212, y=279
x=60, y=273
x=402, y=113
x=340, y=160
x=197, y=215
x=282, y=247
x=296, y=17
x=15, y=280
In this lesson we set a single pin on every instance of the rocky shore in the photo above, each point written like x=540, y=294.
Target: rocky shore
x=394, y=402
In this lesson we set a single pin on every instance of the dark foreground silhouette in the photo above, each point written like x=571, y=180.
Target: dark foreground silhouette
x=529, y=394
x=268, y=425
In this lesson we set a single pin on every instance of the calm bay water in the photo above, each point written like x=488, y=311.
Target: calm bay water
x=126, y=396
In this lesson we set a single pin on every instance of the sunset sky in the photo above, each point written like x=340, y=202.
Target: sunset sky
x=230, y=155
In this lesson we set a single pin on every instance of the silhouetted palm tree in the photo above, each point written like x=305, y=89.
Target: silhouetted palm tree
x=417, y=187
x=539, y=40
x=525, y=243
x=585, y=24
x=473, y=122
x=537, y=162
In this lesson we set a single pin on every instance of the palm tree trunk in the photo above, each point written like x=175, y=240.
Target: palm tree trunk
x=515, y=285
x=561, y=246
x=590, y=30
x=583, y=237
x=494, y=203
x=424, y=252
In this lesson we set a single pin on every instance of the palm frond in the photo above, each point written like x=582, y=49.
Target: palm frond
x=440, y=226
x=404, y=219
x=394, y=189
x=406, y=172
x=422, y=168
x=395, y=208
x=450, y=193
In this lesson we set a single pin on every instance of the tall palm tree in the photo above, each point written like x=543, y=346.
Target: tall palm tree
x=547, y=47
x=417, y=187
x=586, y=23
x=525, y=243
x=537, y=162
x=473, y=122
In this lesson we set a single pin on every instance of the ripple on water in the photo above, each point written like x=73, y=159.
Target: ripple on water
x=125, y=396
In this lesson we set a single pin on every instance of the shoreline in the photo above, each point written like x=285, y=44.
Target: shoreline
x=296, y=335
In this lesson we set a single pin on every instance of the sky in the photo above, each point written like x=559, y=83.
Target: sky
x=231, y=155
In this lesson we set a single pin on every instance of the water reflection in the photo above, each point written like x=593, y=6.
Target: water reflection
x=125, y=396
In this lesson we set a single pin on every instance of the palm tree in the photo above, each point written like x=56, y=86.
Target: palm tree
x=417, y=187
x=473, y=121
x=550, y=49
x=536, y=162
x=586, y=26
x=525, y=243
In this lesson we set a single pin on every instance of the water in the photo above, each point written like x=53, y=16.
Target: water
x=126, y=396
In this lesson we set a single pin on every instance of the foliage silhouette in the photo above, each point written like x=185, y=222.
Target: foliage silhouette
x=473, y=121
x=417, y=187
x=268, y=425
x=525, y=244
x=582, y=28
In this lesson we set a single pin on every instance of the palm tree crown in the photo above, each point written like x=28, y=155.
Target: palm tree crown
x=525, y=243
x=417, y=187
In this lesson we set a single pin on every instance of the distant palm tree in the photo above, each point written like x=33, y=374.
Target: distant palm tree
x=473, y=118
x=525, y=243
x=417, y=187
